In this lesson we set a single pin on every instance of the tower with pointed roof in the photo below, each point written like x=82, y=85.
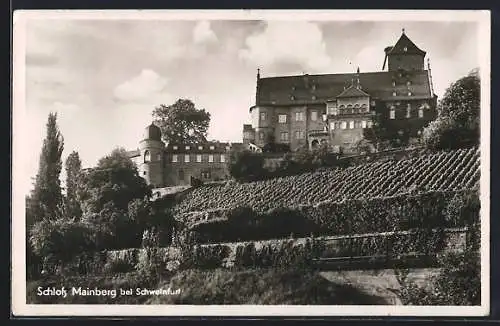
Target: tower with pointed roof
x=404, y=55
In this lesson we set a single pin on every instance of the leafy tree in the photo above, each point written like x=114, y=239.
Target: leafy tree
x=458, y=119
x=182, y=122
x=246, y=165
x=73, y=168
x=105, y=194
x=46, y=198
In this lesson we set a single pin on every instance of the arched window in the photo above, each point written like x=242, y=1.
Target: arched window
x=349, y=109
x=147, y=156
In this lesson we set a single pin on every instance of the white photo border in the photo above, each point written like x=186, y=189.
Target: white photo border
x=18, y=295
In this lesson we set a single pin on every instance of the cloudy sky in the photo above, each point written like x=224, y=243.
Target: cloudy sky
x=104, y=77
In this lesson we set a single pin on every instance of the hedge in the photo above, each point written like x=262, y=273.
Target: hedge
x=405, y=212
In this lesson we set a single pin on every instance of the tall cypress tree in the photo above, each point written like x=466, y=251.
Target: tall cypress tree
x=46, y=196
x=73, y=167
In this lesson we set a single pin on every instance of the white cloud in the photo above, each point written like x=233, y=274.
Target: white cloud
x=288, y=42
x=141, y=87
x=203, y=33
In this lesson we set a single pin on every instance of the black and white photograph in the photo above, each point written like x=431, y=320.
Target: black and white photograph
x=251, y=163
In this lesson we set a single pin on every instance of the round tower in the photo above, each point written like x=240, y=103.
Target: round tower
x=152, y=156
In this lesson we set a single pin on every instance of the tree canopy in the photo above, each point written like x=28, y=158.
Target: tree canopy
x=457, y=124
x=46, y=197
x=182, y=122
x=73, y=168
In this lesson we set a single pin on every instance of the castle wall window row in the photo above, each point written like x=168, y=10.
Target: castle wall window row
x=282, y=118
x=211, y=158
x=352, y=124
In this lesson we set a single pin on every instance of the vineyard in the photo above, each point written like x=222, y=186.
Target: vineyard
x=442, y=171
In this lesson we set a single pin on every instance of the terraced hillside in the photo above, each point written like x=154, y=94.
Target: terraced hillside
x=442, y=171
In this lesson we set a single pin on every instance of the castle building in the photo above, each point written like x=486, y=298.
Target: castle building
x=163, y=165
x=336, y=109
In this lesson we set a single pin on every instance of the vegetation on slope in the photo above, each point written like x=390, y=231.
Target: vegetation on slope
x=442, y=171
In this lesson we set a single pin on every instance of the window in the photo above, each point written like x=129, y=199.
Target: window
x=186, y=158
x=393, y=83
x=263, y=116
x=261, y=136
x=405, y=49
x=332, y=125
x=200, y=148
x=210, y=158
x=158, y=156
x=369, y=124
x=212, y=147
x=147, y=156
x=314, y=87
x=409, y=93
x=222, y=158
x=174, y=147
x=364, y=108
x=408, y=110
x=343, y=125
x=188, y=148
x=198, y=158
x=420, y=112
x=394, y=94
x=144, y=173
x=282, y=118
x=299, y=134
x=181, y=175
x=175, y=159
x=205, y=174
x=349, y=109
x=314, y=115
x=284, y=136
x=363, y=124
x=314, y=97
x=392, y=113
x=299, y=116
x=351, y=124
x=228, y=148
x=408, y=83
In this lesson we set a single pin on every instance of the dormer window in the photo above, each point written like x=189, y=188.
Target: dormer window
x=393, y=83
x=212, y=147
x=409, y=93
x=408, y=83
x=188, y=148
x=394, y=94
x=200, y=148
x=174, y=147
x=405, y=49
x=292, y=98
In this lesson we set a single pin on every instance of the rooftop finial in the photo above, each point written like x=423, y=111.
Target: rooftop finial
x=258, y=73
x=403, y=30
x=357, y=71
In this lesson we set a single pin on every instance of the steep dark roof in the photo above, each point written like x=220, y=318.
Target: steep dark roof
x=352, y=92
x=405, y=42
x=299, y=89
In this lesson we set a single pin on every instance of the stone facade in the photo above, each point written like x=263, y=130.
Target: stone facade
x=163, y=165
x=337, y=108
